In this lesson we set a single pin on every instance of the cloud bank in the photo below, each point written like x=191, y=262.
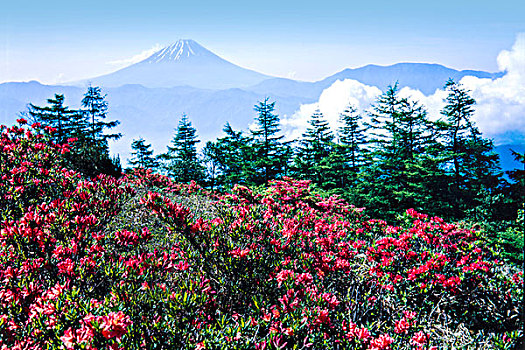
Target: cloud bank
x=138, y=57
x=332, y=102
x=500, y=108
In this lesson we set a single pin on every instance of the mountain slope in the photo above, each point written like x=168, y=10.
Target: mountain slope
x=152, y=113
x=422, y=76
x=182, y=63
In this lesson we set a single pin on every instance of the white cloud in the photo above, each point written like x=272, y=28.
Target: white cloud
x=137, y=58
x=500, y=108
x=332, y=101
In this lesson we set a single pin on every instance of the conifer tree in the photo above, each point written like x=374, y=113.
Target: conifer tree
x=458, y=111
x=89, y=157
x=350, y=152
x=93, y=145
x=142, y=155
x=56, y=115
x=232, y=158
x=271, y=152
x=352, y=137
x=314, y=148
x=401, y=136
x=95, y=109
x=180, y=160
x=473, y=162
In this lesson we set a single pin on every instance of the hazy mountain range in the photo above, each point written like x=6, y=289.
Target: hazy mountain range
x=150, y=96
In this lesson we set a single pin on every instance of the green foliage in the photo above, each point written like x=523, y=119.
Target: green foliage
x=315, y=146
x=95, y=109
x=473, y=164
x=512, y=240
x=403, y=168
x=143, y=262
x=271, y=154
x=84, y=129
x=68, y=123
x=142, y=155
x=180, y=161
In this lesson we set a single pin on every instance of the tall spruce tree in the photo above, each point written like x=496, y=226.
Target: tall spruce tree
x=473, y=162
x=232, y=159
x=95, y=108
x=181, y=161
x=352, y=137
x=94, y=143
x=59, y=117
x=311, y=161
x=142, y=155
x=401, y=136
x=86, y=156
x=351, y=151
x=271, y=152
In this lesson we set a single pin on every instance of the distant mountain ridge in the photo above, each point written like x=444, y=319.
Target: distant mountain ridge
x=187, y=63
x=183, y=63
x=425, y=77
x=149, y=97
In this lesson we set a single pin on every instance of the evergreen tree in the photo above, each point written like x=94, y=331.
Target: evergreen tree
x=315, y=146
x=350, y=150
x=86, y=156
x=458, y=111
x=352, y=137
x=473, y=162
x=58, y=116
x=95, y=109
x=142, y=155
x=402, y=168
x=271, y=152
x=232, y=159
x=180, y=160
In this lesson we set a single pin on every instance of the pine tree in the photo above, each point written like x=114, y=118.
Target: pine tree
x=57, y=116
x=232, y=158
x=92, y=152
x=350, y=151
x=95, y=109
x=473, y=162
x=181, y=161
x=142, y=155
x=402, y=168
x=271, y=152
x=315, y=146
x=458, y=111
x=352, y=137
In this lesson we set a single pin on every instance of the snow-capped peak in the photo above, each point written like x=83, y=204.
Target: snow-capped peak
x=180, y=50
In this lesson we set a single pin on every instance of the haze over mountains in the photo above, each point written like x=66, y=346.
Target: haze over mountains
x=150, y=96
x=182, y=63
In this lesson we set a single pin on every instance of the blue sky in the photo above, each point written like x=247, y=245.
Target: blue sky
x=54, y=41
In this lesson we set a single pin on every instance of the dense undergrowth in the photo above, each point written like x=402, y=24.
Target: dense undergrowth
x=142, y=262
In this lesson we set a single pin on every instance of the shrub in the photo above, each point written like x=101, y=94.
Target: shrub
x=141, y=262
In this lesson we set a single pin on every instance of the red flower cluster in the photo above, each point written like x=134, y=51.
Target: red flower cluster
x=137, y=262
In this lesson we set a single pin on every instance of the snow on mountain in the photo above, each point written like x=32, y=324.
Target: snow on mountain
x=180, y=50
x=183, y=63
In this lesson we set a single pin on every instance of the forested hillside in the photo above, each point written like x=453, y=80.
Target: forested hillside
x=400, y=232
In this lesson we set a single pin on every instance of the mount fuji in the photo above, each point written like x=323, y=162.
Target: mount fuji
x=184, y=63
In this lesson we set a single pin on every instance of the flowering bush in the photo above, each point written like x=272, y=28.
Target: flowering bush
x=141, y=262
